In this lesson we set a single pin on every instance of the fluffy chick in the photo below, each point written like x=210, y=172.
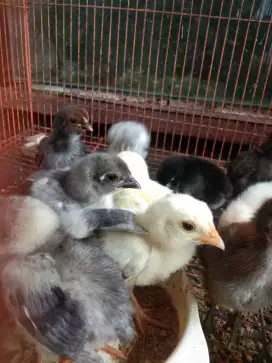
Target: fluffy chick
x=91, y=177
x=26, y=225
x=197, y=177
x=175, y=224
x=238, y=278
x=73, y=303
x=139, y=171
x=79, y=222
x=251, y=166
x=64, y=146
x=128, y=135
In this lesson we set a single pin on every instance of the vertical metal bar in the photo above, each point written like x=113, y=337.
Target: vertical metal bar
x=117, y=59
x=93, y=62
x=78, y=47
x=133, y=51
x=49, y=58
x=28, y=61
x=100, y=62
x=108, y=67
x=125, y=56
x=71, y=49
x=156, y=70
x=183, y=72
x=141, y=57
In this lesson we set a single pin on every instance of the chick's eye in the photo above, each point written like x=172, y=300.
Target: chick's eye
x=73, y=121
x=111, y=177
x=187, y=226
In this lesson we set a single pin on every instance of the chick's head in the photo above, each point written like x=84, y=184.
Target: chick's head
x=179, y=219
x=98, y=174
x=72, y=119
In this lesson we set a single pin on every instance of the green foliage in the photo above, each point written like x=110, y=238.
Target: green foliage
x=105, y=41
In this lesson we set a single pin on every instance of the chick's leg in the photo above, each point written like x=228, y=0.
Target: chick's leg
x=113, y=352
x=141, y=315
x=65, y=360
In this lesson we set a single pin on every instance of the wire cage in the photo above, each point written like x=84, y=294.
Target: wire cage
x=197, y=73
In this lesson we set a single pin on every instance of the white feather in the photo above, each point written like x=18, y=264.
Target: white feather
x=148, y=259
x=243, y=208
x=139, y=171
x=128, y=135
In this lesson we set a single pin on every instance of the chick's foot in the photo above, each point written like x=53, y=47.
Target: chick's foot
x=65, y=360
x=113, y=352
x=141, y=315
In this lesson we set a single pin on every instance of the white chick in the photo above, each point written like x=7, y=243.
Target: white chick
x=128, y=135
x=244, y=207
x=26, y=225
x=139, y=170
x=175, y=225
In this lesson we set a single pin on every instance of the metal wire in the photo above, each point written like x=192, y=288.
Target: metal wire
x=197, y=73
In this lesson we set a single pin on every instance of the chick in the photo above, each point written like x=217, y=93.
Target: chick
x=139, y=171
x=175, y=224
x=96, y=175
x=64, y=146
x=197, y=177
x=130, y=136
x=239, y=277
x=26, y=225
x=73, y=302
x=79, y=222
x=251, y=166
x=91, y=177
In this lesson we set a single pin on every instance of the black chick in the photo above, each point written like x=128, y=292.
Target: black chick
x=199, y=178
x=64, y=146
x=73, y=302
x=251, y=166
x=91, y=177
x=239, y=278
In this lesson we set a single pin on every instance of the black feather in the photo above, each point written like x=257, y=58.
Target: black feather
x=197, y=177
x=58, y=320
x=251, y=166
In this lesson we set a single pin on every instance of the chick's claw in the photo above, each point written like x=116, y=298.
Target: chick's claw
x=113, y=352
x=65, y=360
x=141, y=315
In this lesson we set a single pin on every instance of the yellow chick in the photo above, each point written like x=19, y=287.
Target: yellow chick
x=175, y=225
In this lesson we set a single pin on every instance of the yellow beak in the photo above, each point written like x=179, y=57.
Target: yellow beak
x=212, y=238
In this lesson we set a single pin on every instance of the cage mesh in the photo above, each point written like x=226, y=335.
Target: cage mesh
x=197, y=73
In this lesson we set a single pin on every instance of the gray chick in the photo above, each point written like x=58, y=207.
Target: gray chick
x=64, y=146
x=79, y=222
x=93, y=176
x=128, y=136
x=73, y=302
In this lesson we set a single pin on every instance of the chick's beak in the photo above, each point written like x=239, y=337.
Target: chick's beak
x=87, y=125
x=212, y=238
x=129, y=182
